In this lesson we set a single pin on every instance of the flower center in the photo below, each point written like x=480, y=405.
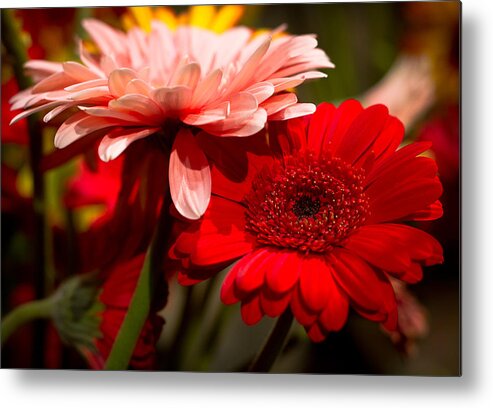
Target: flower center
x=306, y=203
x=306, y=206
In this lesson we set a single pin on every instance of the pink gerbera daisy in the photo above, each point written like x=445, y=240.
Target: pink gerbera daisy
x=141, y=83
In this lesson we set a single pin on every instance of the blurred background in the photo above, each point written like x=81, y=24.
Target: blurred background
x=406, y=55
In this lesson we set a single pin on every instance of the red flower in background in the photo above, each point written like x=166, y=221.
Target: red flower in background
x=131, y=196
x=315, y=218
x=116, y=295
x=15, y=133
x=443, y=132
x=412, y=324
x=114, y=249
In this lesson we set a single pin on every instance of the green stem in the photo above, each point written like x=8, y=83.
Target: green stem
x=140, y=305
x=133, y=323
x=37, y=309
x=273, y=346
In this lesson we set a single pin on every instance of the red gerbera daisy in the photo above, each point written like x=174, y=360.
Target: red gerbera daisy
x=315, y=216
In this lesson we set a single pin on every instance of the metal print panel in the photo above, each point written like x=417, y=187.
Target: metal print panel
x=236, y=188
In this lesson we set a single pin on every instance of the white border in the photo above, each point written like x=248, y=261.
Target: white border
x=474, y=389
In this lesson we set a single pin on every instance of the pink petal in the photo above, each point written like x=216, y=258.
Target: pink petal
x=89, y=61
x=189, y=176
x=207, y=88
x=173, y=99
x=41, y=69
x=97, y=92
x=261, y=91
x=93, y=83
x=231, y=43
x=294, y=111
x=108, y=64
x=118, y=80
x=28, y=112
x=253, y=125
x=115, y=142
x=291, y=48
x=136, y=103
x=56, y=81
x=104, y=112
x=80, y=125
x=55, y=112
x=21, y=96
x=109, y=40
x=137, y=40
x=242, y=79
x=279, y=102
x=78, y=71
x=203, y=46
x=187, y=75
x=242, y=108
x=138, y=86
x=206, y=116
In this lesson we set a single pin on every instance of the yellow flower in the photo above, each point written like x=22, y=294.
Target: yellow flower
x=218, y=19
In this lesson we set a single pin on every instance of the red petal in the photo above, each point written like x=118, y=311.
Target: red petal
x=389, y=139
x=220, y=236
x=411, y=169
x=235, y=162
x=413, y=274
x=369, y=290
x=251, y=312
x=288, y=136
x=228, y=295
x=283, y=274
x=421, y=246
x=319, y=124
x=273, y=305
x=315, y=283
x=381, y=249
x=342, y=120
x=251, y=270
x=214, y=249
x=118, y=289
x=400, y=202
x=432, y=212
x=316, y=333
x=301, y=312
x=335, y=313
x=185, y=280
x=362, y=133
x=397, y=159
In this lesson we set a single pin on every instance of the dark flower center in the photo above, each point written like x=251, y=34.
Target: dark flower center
x=306, y=206
x=306, y=203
